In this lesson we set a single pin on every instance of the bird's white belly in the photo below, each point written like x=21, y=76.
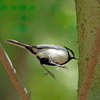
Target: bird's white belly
x=53, y=54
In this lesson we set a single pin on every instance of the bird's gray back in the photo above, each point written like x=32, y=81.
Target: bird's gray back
x=47, y=46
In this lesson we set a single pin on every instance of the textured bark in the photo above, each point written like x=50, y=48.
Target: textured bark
x=88, y=26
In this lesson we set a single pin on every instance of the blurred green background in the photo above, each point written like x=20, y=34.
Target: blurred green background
x=39, y=22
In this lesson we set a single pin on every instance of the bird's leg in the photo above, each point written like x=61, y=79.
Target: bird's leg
x=48, y=72
x=59, y=66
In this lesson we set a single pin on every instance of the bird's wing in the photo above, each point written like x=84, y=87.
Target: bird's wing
x=46, y=46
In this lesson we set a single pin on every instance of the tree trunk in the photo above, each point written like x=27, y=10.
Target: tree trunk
x=88, y=26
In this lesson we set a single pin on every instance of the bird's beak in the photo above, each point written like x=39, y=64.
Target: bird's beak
x=75, y=58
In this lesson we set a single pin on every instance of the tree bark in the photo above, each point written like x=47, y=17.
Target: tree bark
x=13, y=74
x=88, y=26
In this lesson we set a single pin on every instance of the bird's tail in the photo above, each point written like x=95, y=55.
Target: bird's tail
x=14, y=42
x=22, y=45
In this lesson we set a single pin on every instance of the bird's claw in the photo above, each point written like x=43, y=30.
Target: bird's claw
x=50, y=74
x=62, y=66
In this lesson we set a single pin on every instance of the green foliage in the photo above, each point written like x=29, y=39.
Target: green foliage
x=39, y=22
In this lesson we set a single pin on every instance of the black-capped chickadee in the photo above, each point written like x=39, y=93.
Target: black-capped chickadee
x=48, y=54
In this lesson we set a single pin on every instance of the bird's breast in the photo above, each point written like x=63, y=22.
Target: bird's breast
x=57, y=56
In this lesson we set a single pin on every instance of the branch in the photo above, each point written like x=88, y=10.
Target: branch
x=13, y=75
x=90, y=68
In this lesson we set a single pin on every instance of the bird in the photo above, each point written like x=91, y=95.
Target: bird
x=48, y=54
